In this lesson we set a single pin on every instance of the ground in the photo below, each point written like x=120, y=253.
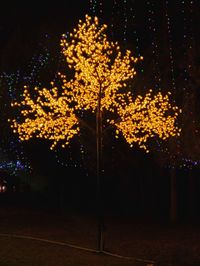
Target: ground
x=41, y=237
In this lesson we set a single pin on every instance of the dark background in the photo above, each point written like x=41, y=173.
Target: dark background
x=133, y=182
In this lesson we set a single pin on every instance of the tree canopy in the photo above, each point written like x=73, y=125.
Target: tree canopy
x=99, y=75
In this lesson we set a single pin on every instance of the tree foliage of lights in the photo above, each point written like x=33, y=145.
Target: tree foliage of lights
x=100, y=76
x=48, y=117
x=145, y=117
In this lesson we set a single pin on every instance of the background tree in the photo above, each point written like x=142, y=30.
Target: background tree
x=181, y=158
x=13, y=158
x=97, y=86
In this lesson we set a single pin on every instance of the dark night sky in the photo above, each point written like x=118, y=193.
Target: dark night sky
x=22, y=26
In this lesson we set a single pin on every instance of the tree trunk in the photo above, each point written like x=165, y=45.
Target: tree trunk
x=100, y=239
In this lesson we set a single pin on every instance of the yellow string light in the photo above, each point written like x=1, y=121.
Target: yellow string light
x=48, y=117
x=101, y=71
x=100, y=67
x=147, y=117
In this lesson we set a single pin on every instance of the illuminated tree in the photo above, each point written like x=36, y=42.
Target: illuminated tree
x=100, y=75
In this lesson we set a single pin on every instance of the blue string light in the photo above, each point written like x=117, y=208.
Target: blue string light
x=171, y=56
x=154, y=43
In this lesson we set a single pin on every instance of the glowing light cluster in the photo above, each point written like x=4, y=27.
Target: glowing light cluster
x=91, y=55
x=101, y=73
x=48, y=117
x=147, y=117
x=13, y=167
